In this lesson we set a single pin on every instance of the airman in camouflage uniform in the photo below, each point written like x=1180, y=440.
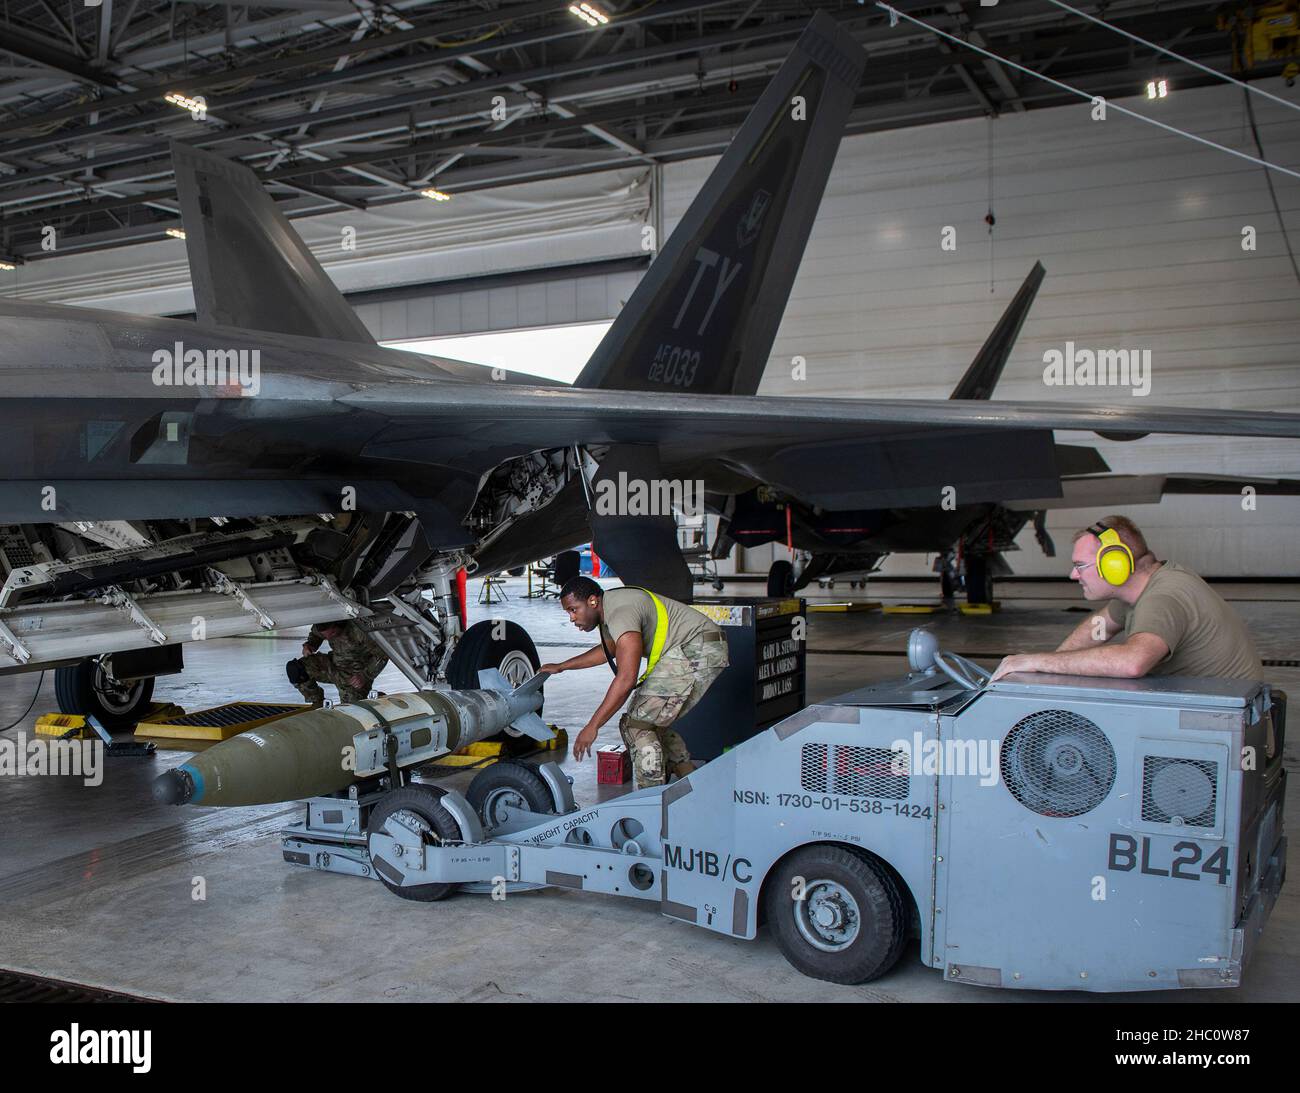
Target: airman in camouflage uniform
x=678, y=682
x=353, y=662
x=692, y=654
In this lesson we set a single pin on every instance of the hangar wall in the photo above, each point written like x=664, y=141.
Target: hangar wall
x=1141, y=236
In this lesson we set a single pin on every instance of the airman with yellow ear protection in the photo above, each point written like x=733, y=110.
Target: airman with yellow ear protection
x=1114, y=559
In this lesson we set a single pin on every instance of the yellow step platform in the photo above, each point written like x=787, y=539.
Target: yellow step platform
x=456, y=759
x=218, y=723
x=980, y=608
x=912, y=608
x=59, y=724
x=486, y=752
x=71, y=725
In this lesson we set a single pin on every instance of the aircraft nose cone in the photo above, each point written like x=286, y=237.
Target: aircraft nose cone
x=173, y=787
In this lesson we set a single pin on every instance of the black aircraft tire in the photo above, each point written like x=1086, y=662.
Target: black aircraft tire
x=477, y=650
x=979, y=580
x=74, y=688
x=780, y=580
x=425, y=802
x=882, y=914
x=507, y=782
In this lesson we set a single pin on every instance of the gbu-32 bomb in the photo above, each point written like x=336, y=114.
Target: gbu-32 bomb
x=317, y=752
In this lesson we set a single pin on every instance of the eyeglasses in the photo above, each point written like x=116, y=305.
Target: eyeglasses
x=1079, y=567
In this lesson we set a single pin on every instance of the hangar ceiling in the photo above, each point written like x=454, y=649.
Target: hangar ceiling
x=358, y=104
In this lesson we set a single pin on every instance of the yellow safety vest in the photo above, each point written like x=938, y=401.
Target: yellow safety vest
x=661, y=630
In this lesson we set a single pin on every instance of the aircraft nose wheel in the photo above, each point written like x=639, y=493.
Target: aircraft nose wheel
x=516, y=667
x=510, y=651
x=836, y=914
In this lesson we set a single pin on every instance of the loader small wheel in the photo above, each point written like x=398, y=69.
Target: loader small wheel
x=507, y=784
x=423, y=804
x=836, y=915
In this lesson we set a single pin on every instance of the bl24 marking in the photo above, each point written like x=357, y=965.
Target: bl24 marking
x=1127, y=854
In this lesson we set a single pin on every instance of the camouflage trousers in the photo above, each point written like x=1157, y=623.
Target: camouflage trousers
x=320, y=668
x=678, y=682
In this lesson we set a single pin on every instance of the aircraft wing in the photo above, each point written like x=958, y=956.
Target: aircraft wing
x=837, y=453
x=1116, y=491
x=802, y=415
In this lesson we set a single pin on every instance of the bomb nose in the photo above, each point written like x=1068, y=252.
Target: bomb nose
x=174, y=787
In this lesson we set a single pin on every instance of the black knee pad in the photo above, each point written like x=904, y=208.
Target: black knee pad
x=296, y=672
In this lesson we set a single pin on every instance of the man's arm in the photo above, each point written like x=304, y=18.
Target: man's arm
x=313, y=642
x=589, y=659
x=627, y=651
x=1129, y=659
x=1086, y=634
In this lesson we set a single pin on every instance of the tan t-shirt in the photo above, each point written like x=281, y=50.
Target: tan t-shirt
x=1205, y=636
x=629, y=609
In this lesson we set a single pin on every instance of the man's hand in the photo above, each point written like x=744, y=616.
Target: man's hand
x=583, y=742
x=1017, y=662
x=550, y=669
x=357, y=680
x=307, y=650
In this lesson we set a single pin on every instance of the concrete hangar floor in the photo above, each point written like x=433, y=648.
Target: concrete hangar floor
x=96, y=886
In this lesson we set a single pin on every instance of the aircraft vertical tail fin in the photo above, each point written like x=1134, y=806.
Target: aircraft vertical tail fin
x=986, y=369
x=706, y=312
x=249, y=267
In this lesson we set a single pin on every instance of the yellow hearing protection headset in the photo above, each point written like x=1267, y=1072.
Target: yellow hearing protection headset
x=1114, y=559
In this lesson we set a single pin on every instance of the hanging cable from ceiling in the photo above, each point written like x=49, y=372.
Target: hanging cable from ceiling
x=895, y=14
x=1177, y=56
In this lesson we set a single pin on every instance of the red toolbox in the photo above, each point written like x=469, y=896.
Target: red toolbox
x=613, y=765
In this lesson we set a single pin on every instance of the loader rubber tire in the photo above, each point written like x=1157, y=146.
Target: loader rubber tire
x=873, y=914
x=424, y=802
x=507, y=782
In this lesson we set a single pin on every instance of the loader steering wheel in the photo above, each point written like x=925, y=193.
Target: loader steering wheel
x=963, y=672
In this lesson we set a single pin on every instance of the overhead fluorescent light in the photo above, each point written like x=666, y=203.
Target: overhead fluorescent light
x=435, y=195
x=176, y=233
x=1157, y=89
x=589, y=14
x=194, y=106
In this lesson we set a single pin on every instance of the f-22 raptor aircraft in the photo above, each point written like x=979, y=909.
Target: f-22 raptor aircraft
x=270, y=466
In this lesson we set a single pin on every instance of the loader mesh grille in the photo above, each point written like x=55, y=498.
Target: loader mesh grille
x=1057, y=763
x=1179, y=791
x=813, y=769
x=853, y=771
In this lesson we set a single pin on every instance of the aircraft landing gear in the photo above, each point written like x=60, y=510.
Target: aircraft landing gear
x=780, y=580
x=89, y=689
x=979, y=580
x=508, y=649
